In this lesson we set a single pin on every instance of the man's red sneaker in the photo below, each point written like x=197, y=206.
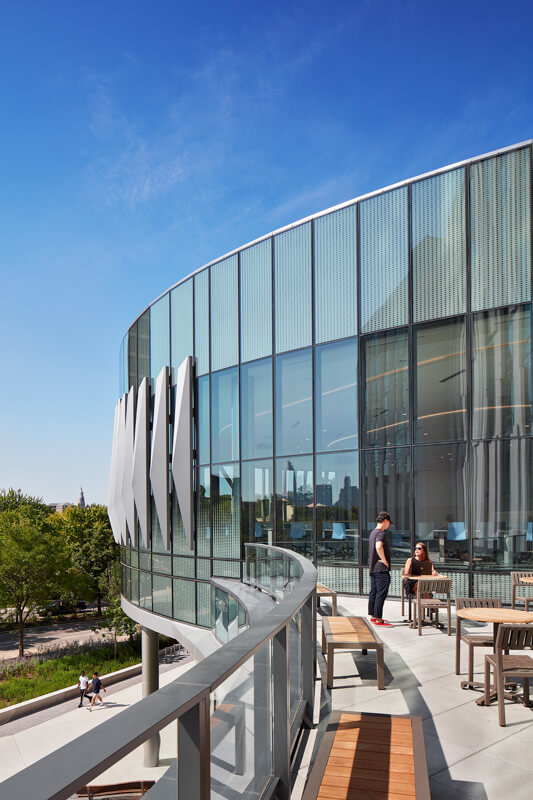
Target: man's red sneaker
x=383, y=622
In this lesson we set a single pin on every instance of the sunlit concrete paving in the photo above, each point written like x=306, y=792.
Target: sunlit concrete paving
x=469, y=755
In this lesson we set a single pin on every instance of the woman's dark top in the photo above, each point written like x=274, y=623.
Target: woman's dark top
x=416, y=567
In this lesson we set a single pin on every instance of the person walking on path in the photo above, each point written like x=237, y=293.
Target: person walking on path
x=96, y=687
x=83, y=683
x=379, y=568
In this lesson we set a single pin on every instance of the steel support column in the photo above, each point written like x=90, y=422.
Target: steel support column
x=194, y=753
x=150, y=675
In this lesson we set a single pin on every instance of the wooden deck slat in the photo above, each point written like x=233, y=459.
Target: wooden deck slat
x=369, y=782
x=376, y=746
x=395, y=764
x=361, y=794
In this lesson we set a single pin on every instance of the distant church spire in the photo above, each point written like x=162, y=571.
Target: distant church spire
x=81, y=500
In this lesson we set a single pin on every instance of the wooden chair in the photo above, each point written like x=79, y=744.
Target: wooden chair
x=423, y=604
x=510, y=637
x=516, y=581
x=474, y=639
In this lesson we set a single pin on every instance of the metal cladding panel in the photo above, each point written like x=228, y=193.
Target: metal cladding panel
x=159, y=459
x=111, y=509
x=182, y=448
x=139, y=479
x=127, y=485
x=119, y=468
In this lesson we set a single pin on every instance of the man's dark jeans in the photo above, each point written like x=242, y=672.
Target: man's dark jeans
x=379, y=587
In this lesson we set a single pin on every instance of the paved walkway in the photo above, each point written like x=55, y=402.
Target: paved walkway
x=45, y=636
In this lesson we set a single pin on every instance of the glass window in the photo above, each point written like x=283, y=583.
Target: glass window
x=143, y=346
x=179, y=542
x=257, y=497
x=502, y=504
x=500, y=201
x=386, y=485
x=256, y=301
x=185, y=600
x=440, y=490
x=224, y=313
x=159, y=336
x=225, y=415
x=337, y=507
x=225, y=488
x=162, y=595
x=292, y=263
x=386, y=389
x=384, y=261
x=203, y=512
x=294, y=406
x=204, y=601
x=501, y=373
x=145, y=590
x=441, y=381
x=256, y=405
x=336, y=395
x=161, y=563
x=201, y=321
x=439, y=246
x=181, y=325
x=335, y=241
x=294, y=504
x=203, y=420
x=132, y=356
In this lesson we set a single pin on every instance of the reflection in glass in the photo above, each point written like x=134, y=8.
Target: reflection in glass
x=203, y=420
x=386, y=485
x=162, y=595
x=143, y=346
x=294, y=409
x=336, y=395
x=256, y=301
x=335, y=264
x=294, y=504
x=441, y=381
x=295, y=663
x=384, y=261
x=440, y=490
x=502, y=504
x=201, y=321
x=225, y=415
x=203, y=512
x=181, y=325
x=337, y=507
x=256, y=409
x=386, y=389
x=225, y=492
x=159, y=336
x=501, y=373
x=145, y=590
x=439, y=246
x=292, y=264
x=184, y=600
x=224, y=313
x=257, y=497
x=132, y=356
x=179, y=542
x=204, y=604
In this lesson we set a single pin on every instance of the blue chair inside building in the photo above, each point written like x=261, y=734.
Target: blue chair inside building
x=456, y=532
x=339, y=530
x=298, y=530
x=258, y=531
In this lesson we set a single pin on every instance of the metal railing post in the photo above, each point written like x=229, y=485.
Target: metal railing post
x=308, y=658
x=194, y=753
x=281, y=702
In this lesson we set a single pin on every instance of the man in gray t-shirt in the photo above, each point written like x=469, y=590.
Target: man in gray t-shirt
x=379, y=568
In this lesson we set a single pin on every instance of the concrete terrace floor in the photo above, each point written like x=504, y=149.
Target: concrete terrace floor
x=468, y=754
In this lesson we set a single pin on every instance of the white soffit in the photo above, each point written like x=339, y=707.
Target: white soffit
x=111, y=510
x=139, y=479
x=182, y=448
x=159, y=459
x=127, y=486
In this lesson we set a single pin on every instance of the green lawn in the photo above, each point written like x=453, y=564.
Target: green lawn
x=33, y=680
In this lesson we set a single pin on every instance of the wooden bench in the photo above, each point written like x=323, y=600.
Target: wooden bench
x=370, y=757
x=350, y=633
x=323, y=591
x=132, y=790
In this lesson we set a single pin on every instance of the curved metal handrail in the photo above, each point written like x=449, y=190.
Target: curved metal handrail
x=58, y=775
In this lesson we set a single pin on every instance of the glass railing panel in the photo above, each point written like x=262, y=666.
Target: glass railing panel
x=295, y=663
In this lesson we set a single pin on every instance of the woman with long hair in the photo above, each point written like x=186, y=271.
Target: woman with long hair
x=419, y=564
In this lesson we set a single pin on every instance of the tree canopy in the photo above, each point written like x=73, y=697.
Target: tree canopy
x=13, y=499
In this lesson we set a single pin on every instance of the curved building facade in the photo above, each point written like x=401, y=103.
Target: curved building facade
x=375, y=355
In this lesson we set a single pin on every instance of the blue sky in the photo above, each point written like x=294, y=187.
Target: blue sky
x=140, y=140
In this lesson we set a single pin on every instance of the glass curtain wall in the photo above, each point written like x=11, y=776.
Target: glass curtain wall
x=294, y=504
x=257, y=501
x=337, y=508
x=294, y=403
x=256, y=409
x=336, y=396
x=386, y=389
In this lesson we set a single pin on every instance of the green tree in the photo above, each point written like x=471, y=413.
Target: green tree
x=87, y=533
x=13, y=499
x=114, y=620
x=34, y=564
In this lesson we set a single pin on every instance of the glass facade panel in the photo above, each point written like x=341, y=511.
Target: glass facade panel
x=145, y=590
x=336, y=396
x=224, y=314
x=294, y=403
x=257, y=501
x=203, y=512
x=292, y=287
x=501, y=373
x=204, y=448
x=132, y=356
x=386, y=485
x=384, y=261
x=439, y=246
x=440, y=490
x=225, y=415
x=337, y=507
x=179, y=542
x=185, y=600
x=204, y=605
x=386, y=389
x=256, y=409
x=502, y=505
x=294, y=504
x=162, y=595
x=161, y=563
x=181, y=325
x=201, y=321
x=256, y=301
x=441, y=381
x=500, y=192
x=335, y=264
x=225, y=489
x=159, y=336
x=143, y=346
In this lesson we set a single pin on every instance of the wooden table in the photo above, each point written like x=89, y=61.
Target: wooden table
x=497, y=616
x=529, y=579
x=323, y=591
